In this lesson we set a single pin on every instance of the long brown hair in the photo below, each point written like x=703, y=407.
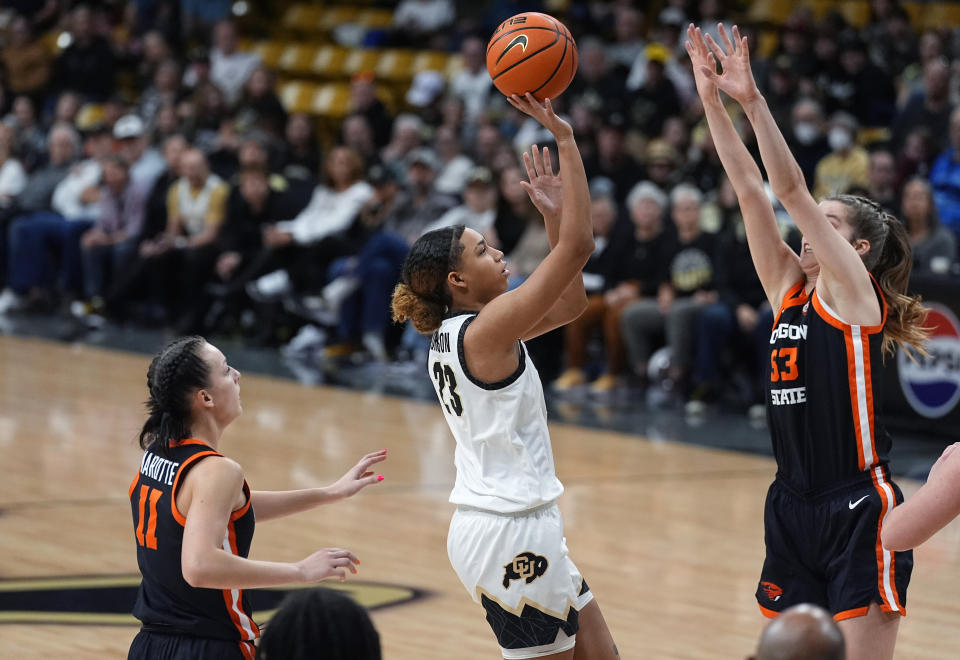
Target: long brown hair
x=422, y=295
x=889, y=260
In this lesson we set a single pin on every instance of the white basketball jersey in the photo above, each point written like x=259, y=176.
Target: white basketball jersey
x=503, y=456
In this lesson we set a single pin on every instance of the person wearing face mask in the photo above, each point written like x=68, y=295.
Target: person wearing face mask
x=847, y=165
x=806, y=137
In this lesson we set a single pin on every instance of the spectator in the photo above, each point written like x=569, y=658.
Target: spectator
x=364, y=100
x=945, y=179
x=893, y=44
x=690, y=287
x=882, y=177
x=806, y=137
x=199, y=15
x=36, y=196
x=859, y=87
x=628, y=42
x=479, y=208
x=356, y=133
x=88, y=64
x=422, y=23
x=13, y=178
x=164, y=90
x=260, y=108
x=424, y=203
x=37, y=236
x=472, y=83
x=30, y=141
x=425, y=95
x=144, y=163
x=604, y=306
x=847, y=164
x=318, y=622
x=734, y=330
x=612, y=160
x=26, y=61
x=662, y=161
x=301, y=157
x=229, y=68
x=656, y=98
x=111, y=241
x=454, y=165
x=801, y=632
x=407, y=136
x=595, y=82
x=934, y=246
x=928, y=107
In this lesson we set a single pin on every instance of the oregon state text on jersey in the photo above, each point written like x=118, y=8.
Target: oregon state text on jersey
x=165, y=602
x=503, y=456
x=823, y=390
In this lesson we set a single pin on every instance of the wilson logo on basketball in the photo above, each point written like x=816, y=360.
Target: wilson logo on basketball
x=519, y=40
x=525, y=566
x=772, y=591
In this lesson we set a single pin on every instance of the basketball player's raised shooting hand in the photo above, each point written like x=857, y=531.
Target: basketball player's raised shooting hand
x=701, y=58
x=544, y=188
x=736, y=78
x=327, y=563
x=359, y=476
x=543, y=113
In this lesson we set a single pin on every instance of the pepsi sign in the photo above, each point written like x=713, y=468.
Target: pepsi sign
x=931, y=384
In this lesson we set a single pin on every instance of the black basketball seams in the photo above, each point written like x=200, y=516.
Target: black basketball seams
x=563, y=56
x=531, y=55
x=519, y=29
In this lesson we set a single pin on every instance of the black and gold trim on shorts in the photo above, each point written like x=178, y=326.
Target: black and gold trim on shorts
x=531, y=626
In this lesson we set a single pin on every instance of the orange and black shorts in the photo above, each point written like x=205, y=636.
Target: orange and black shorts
x=825, y=549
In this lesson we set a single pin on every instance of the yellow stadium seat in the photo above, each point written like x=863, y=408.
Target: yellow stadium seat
x=270, y=52
x=332, y=17
x=329, y=61
x=297, y=96
x=361, y=59
x=331, y=100
x=454, y=65
x=395, y=64
x=302, y=17
x=375, y=18
x=430, y=61
x=770, y=11
x=297, y=58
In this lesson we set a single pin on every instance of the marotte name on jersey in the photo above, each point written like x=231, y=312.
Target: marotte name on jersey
x=158, y=468
x=788, y=396
x=788, y=331
x=440, y=342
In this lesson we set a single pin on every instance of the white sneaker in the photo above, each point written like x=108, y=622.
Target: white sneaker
x=9, y=301
x=270, y=287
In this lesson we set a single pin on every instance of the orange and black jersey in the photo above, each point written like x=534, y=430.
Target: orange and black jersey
x=165, y=602
x=823, y=392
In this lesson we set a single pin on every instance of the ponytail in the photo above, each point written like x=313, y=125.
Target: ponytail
x=175, y=373
x=906, y=313
x=422, y=295
x=889, y=261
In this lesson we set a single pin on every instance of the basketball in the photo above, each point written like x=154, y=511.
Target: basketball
x=532, y=52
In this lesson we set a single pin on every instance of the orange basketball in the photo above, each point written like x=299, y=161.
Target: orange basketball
x=532, y=52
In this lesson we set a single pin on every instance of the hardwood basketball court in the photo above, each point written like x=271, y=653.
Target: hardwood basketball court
x=669, y=536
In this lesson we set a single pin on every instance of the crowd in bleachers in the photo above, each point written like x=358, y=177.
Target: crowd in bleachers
x=154, y=170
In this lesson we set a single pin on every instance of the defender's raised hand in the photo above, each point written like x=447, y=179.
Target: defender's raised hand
x=543, y=113
x=737, y=78
x=359, y=476
x=544, y=187
x=702, y=60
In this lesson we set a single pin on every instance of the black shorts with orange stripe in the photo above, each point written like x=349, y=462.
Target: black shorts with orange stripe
x=825, y=549
x=153, y=645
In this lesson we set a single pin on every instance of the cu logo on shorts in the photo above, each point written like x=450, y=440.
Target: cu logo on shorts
x=525, y=566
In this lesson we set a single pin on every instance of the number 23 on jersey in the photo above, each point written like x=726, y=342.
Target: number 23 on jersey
x=446, y=380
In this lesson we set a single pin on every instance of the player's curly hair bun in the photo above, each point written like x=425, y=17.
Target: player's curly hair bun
x=422, y=295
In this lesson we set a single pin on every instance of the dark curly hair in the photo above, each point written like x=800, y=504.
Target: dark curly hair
x=422, y=295
x=319, y=623
x=175, y=373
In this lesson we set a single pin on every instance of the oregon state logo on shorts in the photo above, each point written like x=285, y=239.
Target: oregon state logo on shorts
x=772, y=591
x=525, y=566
